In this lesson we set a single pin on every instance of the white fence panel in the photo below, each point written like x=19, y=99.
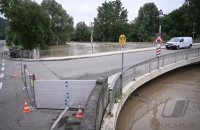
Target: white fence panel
x=59, y=94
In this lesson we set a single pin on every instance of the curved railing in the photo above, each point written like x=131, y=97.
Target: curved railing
x=134, y=72
x=122, y=79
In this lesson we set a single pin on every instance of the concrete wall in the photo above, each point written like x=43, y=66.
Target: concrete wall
x=109, y=121
x=96, y=105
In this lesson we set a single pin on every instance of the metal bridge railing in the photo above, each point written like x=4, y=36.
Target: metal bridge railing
x=145, y=67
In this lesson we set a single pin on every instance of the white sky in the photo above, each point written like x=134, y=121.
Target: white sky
x=86, y=10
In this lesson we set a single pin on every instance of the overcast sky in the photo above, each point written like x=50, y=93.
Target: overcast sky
x=86, y=10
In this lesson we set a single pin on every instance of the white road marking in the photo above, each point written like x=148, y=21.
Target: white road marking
x=3, y=60
x=2, y=69
x=1, y=76
x=3, y=64
x=1, y=85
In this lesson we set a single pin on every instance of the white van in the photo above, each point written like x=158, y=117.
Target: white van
x=179, y=42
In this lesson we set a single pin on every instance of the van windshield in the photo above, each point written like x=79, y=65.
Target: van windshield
x=175, y=39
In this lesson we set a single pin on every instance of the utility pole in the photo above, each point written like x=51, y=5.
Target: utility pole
x=193, y=32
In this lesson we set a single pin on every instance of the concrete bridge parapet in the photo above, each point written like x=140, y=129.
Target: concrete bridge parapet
x=153, y=68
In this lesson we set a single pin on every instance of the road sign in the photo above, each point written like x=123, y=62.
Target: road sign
x=122, y=40
x=158, y=39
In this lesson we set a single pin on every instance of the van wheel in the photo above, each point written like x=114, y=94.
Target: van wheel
x=190, y=46
x=177, y=47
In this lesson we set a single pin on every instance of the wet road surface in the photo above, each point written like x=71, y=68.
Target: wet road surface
x=170, y=102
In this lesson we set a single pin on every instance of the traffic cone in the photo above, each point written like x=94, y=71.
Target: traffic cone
x=79, y=114
x=15, y=75
x=26, y=107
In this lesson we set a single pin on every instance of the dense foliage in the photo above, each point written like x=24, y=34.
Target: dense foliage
x=29, y=24
x=61, y=22
x=111, y=21
x=147, y=22
x=82, y=32
x=3, y=24
x=36, y=26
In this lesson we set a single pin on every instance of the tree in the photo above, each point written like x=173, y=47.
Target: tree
x=147, y=21
x=179, y=22
x=133, y=31
x=29, y=24
x=82, y=32
x=111, y=21
x=61, y=22
x=3, y=25
x=194, y=6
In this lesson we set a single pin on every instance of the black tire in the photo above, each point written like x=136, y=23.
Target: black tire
x=167, y=48
x=190, y=46
x=177, y=47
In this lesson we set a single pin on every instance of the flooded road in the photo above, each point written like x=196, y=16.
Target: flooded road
x=170, y=102
x=75, y=48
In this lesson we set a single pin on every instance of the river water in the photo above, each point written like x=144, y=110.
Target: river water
x=170, y=102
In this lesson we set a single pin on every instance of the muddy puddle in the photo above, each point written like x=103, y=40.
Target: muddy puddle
x=170, y=102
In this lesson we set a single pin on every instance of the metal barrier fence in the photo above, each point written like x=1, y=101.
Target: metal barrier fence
x=145, y=67
x=28, y=79
x=15, y=53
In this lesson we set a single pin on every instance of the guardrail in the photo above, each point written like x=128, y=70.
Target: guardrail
x=145, y=67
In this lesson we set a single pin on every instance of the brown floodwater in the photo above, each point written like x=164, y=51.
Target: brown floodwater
x=74, y=48
x=170, y=102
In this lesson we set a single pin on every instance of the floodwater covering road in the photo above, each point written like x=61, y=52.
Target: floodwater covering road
x=170, y=102
x=75, y=48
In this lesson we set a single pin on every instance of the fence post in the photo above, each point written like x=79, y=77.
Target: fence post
x=175, y=57
x=33, y=80
x=51, y=53
x=111, y=101
x=149, y=66
x=38, y=53
x=134, y=72
x=34, y=54
x=22, y=72
x=187, y=53
x=25, y=83
x=163, y=62
x=158, y=62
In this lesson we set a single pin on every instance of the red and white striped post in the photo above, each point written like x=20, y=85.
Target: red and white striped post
x=158, y=40
x=158, y=50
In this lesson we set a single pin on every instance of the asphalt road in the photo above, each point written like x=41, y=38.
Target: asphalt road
x=88, y=68
x=12, y=96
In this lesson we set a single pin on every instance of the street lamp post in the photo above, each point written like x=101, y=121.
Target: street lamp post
x=91, y=37
x=160, y=24
x=193, y=32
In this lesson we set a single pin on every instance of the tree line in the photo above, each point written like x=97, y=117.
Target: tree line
x=3, y=24
x=34, y=25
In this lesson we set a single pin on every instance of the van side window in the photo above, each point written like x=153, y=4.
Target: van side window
x=182, y=40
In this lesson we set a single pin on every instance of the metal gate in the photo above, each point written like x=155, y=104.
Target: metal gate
x=59, y=94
